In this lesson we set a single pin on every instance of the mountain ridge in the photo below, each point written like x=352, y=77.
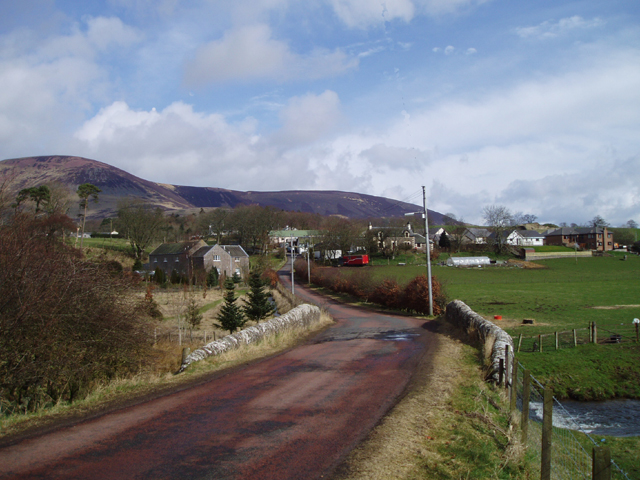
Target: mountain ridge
x=116, y=184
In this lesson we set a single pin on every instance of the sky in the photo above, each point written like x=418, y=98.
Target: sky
x=530, y=105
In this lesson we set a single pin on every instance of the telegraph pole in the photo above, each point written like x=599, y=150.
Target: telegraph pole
x=426, y=234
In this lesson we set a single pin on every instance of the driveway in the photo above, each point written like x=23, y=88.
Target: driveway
x=295, y=415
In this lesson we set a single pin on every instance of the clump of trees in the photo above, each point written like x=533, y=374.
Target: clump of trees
x=65, y=323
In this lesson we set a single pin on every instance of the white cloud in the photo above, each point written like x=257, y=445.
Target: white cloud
x=471, y=51
x=549, y=28
x=176, y=143
x=449, y=50
x=364, y=13
x=250, y=53
x=309, y=118
x=48, y=84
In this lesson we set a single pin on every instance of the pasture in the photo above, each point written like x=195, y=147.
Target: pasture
x=559, y=295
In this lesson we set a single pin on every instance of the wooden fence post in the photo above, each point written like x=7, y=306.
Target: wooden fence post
x=601, y=464
x=595, y=333
x=520, y=339
x=590, y=332
x=507, y=362
x=637, y=330
x=526, y=396
x=557, y=342
x=514, y=384
x=547, y=434
x=501, y=372
x=575, y=338
x=540, y=343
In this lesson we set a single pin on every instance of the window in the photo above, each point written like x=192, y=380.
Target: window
x=216, y=258
x=177, y=259
x=155, y=260
x=165, y=260
x=237, y=259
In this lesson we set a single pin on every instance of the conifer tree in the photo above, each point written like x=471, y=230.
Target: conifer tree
x=257, y=306
x=231, y=316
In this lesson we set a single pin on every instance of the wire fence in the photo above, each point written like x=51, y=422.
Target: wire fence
x=564, y=450
x=600, y=333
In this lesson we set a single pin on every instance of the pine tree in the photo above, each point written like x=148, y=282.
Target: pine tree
x=194, y=317
x=231, y=316
x=212, y=277
x=444, y=242
x=257, y=306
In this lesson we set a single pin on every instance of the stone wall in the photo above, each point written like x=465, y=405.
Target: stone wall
x=493, y=338
x=532, y=256
x=302, y=316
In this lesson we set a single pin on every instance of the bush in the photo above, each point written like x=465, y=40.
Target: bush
x=387, y=294
x=159, y=277
x=270, y=277
x=414, y=297
x=65, y=323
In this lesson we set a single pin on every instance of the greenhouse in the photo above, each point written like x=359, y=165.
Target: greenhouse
x=468, y=261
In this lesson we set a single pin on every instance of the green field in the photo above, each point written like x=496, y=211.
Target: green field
x=560, y=296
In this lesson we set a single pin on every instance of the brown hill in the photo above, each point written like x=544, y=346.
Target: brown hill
x=116, y=184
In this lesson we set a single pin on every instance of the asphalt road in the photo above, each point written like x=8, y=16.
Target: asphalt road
x=292, y=416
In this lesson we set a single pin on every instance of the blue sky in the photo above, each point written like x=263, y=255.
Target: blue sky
x=532, y=105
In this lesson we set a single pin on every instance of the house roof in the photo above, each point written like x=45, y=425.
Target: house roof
x=530, y=234
x=419, y=238
x=202, y=251
x=479, y=232
x=294, y=233
x=234, y=250
x=175, y=248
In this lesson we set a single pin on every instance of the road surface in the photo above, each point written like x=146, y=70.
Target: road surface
x=292, y=416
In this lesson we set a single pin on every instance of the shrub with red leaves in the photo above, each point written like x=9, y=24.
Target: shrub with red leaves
x=387, y=294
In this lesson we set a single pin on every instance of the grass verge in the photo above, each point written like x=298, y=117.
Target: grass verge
x=450, y=424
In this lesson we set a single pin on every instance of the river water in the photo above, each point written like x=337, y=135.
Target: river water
x=616, y=418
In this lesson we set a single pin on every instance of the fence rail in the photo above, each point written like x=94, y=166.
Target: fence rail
x=600, y=333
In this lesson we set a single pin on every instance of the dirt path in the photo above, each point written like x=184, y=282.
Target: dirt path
x=295, y=415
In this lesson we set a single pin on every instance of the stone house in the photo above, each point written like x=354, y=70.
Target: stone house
x=189, y=258
x=175, y=256
x=227, y=259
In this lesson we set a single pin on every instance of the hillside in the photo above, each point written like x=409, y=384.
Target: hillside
x=117, y=184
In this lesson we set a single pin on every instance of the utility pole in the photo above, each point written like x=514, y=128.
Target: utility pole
x=292, y=287
x=426, y=234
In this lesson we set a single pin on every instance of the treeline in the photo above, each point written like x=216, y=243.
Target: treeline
x=65, y=323
x=412, y=297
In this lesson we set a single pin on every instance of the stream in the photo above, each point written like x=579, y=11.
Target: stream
x=616, y=418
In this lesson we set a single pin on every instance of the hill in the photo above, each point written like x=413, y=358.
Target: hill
x=117, y=184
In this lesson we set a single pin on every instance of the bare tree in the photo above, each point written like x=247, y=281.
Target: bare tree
x=499, y=218
x=598, y=222
x=631, y=224
x=140, y=222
